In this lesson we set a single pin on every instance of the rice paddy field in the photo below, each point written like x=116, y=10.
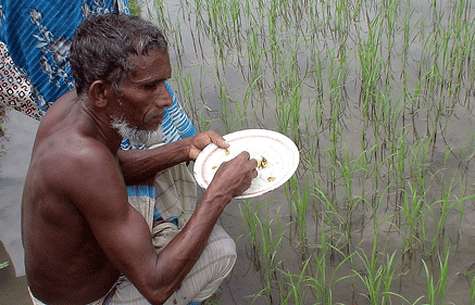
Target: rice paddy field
x=379, y=97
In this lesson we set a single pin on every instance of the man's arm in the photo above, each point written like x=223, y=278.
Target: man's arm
x=142, y=165
x=123, y=234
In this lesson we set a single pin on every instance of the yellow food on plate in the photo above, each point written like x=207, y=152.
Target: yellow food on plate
x=263, y=163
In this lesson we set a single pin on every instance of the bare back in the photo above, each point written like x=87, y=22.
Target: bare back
x=64, y=262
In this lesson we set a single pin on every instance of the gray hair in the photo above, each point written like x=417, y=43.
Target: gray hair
x=102, y=45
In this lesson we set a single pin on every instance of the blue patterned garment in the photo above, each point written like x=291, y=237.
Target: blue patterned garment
x=38, y=36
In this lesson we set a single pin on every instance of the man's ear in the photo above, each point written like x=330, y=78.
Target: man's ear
x=98, y=93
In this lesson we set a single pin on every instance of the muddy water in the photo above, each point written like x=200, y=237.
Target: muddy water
x=443, y=167
x=20, y=132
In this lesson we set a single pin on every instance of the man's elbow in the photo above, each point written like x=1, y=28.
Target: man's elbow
x=157, y=295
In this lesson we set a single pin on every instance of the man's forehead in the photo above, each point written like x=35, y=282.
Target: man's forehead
x=154, y=64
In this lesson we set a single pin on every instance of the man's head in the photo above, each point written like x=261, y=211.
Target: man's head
x=120, y=64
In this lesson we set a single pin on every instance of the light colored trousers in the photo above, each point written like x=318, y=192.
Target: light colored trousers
x=177, y=197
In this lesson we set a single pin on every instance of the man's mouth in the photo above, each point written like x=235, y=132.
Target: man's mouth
x=153, y=120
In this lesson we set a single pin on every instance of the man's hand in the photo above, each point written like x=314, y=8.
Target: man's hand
x=235, y=176
x=201, y=140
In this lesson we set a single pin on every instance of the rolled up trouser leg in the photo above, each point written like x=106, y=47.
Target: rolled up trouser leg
x=214, y=265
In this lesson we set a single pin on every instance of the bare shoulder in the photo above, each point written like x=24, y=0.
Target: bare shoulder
x=76, y=166
x=72, y=156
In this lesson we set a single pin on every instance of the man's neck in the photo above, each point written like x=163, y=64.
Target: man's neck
x=100, y=127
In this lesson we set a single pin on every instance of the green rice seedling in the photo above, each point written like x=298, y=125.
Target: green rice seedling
x=185, y=85
x=226, y=111
x=403, y=298
x=235, y=14
x=299, y=197
x=341, y=23
x=356, y=9
x=249, y=99
x=376, y=278
x=134, y=8
x=294, y=111
x=313, y=167
x=163, y=19
x=363, y=167
x=400, y=155
x=251, y=218
x=288, y=92
x=337, y=78
x=295, y=285
x=331, y=218
x=271, y=235
x=324, y=279
x=390, y=8
x=445, y=205
x=200, y=24
x=459, y=206
x=461, y=42
x=406, y=38
x=179, y=47
x=255, y=56
x=472, y=290
x=436, y=289
x=413, y=219
x=266, y=235
x=418, y=164
x=217, y=13
x=371, y=68
x=346, y=168
x=318, y=102
x=272, y=28
x=248, y=10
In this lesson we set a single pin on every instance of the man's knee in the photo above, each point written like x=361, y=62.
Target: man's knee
x=224, y=256
x=230, y=253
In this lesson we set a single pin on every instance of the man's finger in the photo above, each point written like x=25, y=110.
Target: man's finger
x=244, y=155
x=253, y=163
x=217, y=139
x=194, y=154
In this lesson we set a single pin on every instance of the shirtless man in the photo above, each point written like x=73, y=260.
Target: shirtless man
x=79, y=232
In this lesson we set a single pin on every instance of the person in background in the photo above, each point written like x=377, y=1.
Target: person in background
x=34, y=64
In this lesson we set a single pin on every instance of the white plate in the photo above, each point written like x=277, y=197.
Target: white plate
x=281, y=153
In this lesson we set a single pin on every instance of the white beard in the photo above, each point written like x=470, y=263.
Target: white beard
x=135, y=135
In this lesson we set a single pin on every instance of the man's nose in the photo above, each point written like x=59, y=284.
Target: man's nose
x=164, y=98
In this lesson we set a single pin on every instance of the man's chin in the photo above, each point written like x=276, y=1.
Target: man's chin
x=154, y=124
x=139, y=136
x=150, y=136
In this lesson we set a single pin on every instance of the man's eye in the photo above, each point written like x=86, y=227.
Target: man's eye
x=150, y=86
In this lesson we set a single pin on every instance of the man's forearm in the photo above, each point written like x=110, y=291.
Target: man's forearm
x=180, y=255
x=141, y=165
